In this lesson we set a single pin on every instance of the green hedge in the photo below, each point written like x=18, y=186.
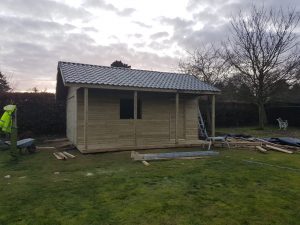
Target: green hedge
x=287, y=111
x=230, y=114
x=236, y=114
x=37, y=113
x=40, y=114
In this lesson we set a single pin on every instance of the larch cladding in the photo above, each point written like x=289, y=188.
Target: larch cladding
x=107, y=132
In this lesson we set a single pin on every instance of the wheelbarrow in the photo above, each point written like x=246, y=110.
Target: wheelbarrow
x=24, y=144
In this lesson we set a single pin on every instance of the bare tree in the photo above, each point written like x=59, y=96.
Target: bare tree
x=263, y=48
x=12, y=82
x=206, y=63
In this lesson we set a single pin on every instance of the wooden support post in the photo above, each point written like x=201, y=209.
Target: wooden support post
x=170, y=126
x=184, y=118
x=135, y=102
x=76, y=118
x=176, y=117
x=213, y=117
x=86, y=117
x=14, y=138
x=15, y=119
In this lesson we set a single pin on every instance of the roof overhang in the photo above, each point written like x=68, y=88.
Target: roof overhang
x=61, y=89
x=128, y=88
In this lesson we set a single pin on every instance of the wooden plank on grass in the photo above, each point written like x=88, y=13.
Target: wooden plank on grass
x=244, y=143
x=145, y=163
x=261, y=149
x=45, y=148
x=279, y=149
x=170, y=155
x=57, y=156
x=62, y=155
x=69, y=155
x=136, y=156
x=57, y=140
x=196, y=157
x=278, y=145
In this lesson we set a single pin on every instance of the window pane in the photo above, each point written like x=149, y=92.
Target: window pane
x=127, y=109
x=139, y=110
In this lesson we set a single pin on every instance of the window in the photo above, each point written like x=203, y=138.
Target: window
x=127, y=109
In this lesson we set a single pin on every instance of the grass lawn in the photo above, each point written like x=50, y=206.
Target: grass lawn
x=111, y=189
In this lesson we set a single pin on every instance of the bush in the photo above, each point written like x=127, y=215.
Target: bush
x=230, y=114
x=37, y=113
x=40, y=114
x=287, y=111
x=236, y=114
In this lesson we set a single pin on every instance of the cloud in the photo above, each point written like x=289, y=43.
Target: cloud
x=135, y=35
x=215, y=15
x=89, y=29
x=160, y=45
x=159, y=35
x=37, y=34
x=207, y=15
x=177, y=22
x=126, y=12
x=100, y=4
x=45, y=9
x=231, y=6
x=109, y=7
x=138, y=35
x=30, y=50
x=30, y=47
x=17, y=24
x=139, y=45
x=142, y=24
x=36, y=57
x=187, y=37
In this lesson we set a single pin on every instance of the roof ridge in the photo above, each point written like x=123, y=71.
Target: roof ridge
x=116, y=76
x=123, y=68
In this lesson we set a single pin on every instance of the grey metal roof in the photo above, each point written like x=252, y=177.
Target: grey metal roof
x=77, y=73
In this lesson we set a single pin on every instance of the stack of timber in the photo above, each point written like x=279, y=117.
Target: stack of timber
x=63, y=155
x=278, y=147
x=171, y=155
x=258, y=144
x=239, y=143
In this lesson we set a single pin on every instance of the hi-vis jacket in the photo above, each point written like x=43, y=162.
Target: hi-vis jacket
x=6, y=119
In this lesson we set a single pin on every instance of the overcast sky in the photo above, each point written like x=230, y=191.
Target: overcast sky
x=146, y=34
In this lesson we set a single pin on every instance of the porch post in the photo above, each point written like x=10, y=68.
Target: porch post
x=86, y=117
x=213, y=119
x=176, y=118
x=76, y=118
x=135, y=101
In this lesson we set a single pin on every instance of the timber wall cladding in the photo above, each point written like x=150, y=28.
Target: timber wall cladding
x=80, y=119
x=71, y=115
x=191, y=118
x=157, y=126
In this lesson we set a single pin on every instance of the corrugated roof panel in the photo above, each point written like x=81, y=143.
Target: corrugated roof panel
x=116, y=76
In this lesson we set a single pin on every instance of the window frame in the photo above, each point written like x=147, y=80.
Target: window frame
x=130, y=115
